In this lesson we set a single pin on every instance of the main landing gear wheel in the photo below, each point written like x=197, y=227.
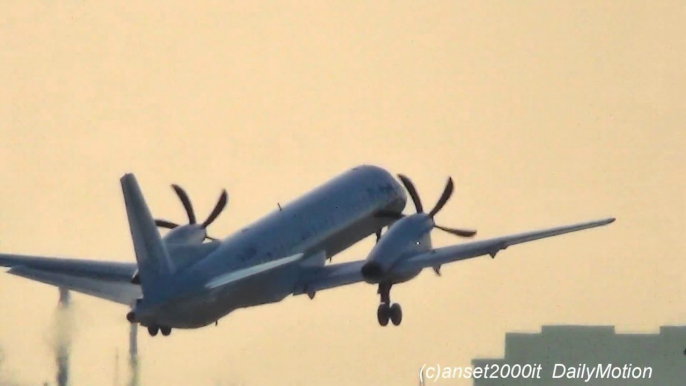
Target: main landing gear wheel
x=383, y=313
x=386, y=310
x=153, y=330
x=396, y=314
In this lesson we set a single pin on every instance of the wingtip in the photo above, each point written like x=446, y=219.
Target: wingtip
x=606, y=221
x=127, y=176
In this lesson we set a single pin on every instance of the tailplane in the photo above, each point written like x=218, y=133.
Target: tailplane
x=154, y=263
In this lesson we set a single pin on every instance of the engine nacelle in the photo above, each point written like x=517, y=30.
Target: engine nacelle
x=405, y=238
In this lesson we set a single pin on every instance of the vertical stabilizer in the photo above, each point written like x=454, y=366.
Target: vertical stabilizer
x=153, y=259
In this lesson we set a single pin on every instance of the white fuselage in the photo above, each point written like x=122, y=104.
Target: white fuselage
x=320, y=224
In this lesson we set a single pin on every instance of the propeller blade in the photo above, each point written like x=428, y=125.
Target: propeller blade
x=447, y=192
x=210, y=238
x=378, y=235
x=186, y=203
x=166, y=224
x=413, y=192
x=457, y=232
x=217, y=209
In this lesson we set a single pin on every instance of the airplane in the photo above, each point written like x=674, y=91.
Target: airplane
x=188, y=280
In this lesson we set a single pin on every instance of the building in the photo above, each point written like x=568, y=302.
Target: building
x=580, y=355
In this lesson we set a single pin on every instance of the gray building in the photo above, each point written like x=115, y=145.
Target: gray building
x=579, y=355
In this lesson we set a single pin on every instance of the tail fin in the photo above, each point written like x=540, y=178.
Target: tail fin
x=153, y=259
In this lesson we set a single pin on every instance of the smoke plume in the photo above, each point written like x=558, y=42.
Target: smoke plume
x=133, y=356
x=63, y=330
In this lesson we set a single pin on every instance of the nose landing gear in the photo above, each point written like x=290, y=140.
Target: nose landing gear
x=386, y=310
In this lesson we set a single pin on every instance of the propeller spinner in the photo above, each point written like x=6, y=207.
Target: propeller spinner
x=445, y=196
x=183, y=196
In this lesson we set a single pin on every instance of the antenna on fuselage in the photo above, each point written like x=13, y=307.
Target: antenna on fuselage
x=279, y=205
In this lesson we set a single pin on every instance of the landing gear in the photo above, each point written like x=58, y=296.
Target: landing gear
x=153, y=330
x=386, y=310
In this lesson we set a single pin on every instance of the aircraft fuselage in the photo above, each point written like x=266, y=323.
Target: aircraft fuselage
x=320, y=224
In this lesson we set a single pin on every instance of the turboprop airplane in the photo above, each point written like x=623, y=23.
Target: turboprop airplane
x=188, y=279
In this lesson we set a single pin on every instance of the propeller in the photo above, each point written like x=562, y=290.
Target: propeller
x=188, y=207
x=445, y=196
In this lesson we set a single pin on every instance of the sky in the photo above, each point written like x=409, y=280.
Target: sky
x=544, y=113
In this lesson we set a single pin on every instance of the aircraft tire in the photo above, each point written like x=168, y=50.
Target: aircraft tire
x=152, y=330
x=383, y=314
x=165, y=331
x=396, y=314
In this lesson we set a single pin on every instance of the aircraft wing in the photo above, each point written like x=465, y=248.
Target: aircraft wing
x=103, y=279
x=337, y=275
x=252, y=271
x=330, y=276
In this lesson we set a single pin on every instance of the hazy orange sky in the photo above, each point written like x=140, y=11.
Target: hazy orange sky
x=544, y=113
